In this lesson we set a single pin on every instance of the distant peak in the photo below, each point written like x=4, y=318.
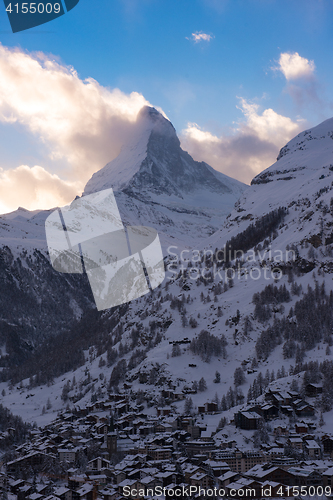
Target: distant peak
x=149, y=112
x=155, y=120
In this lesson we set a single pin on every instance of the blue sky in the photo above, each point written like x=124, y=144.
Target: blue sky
x=233, y=77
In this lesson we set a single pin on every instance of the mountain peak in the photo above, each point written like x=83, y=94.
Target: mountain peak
x=158, y=184
x=309, y=151
x=121, y=170
x=153, y=163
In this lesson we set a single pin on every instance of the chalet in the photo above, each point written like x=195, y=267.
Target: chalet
x=149, y=482
x=280, y=430
x=109, y=494
x=313, y=390
x=216, y=467
x=159, y=453
x=247, y=420
x=227, y=478
x=328, y=477
x=31, y=459
x=63, y=493
x=67, y=454
x=274, y=488
x=164, y=411
x=274, y=397
x=166, y=478
x=98, y=464
x=287, y=410
x=305, y=410
x=271, y=473
x=306, y=476
x=269, y=411
x=295, y=442
x=211, y=407
x=191, y=470
x=327, y=444
x=129, y=483
x=301, y=428
x=312, y=448
x=163, y=427
x=201, y=480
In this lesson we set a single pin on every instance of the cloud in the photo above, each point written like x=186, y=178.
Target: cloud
x=34, y=188
x=302, y=85
x=82, y=123
x=295, y=67
x=252, y=147
x=199, y=36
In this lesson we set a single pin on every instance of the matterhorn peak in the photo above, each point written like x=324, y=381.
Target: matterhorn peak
x=155, y=180
x=121, y=170
x=152, y=162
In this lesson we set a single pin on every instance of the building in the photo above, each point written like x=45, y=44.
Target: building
x=248, y=420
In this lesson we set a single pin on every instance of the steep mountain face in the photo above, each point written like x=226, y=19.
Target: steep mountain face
x=156, y=184
x=302, y=181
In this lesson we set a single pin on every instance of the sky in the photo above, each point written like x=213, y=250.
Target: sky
x=237, y=78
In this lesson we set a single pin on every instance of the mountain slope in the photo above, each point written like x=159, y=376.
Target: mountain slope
x=156, y=183
x=300, y=180
x=259, y=319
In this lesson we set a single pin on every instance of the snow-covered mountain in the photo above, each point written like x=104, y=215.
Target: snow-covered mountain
x=300, y=180
x=156, y=183
x=282, y=221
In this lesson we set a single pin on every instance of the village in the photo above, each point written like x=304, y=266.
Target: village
x=112, y=449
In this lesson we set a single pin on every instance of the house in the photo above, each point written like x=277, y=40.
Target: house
x=109, y=494
x=306, y=476
x=313, y=390
x=281, y=430
x=191, y=470
x=201, y=480
x=67, y=454
x=216, y=467
x=295, y=442
x=98, y=464
x=305, y=410
x=211, y=407
x=301, y=428
x=269, y=411
x=327, y=444
x=63, y=493
x=271, y=473
x=247, y=420
x=164, y=411
x=328, y=477
x=312, y=448
x=227, y=478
